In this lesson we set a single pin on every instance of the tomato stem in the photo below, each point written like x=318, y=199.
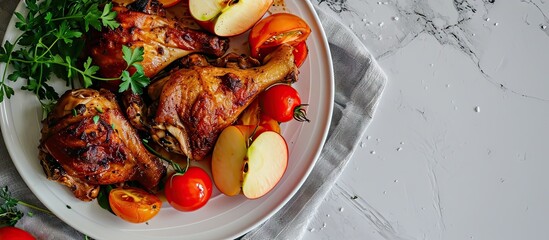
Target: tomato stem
x=175, y=165
x=300, y=114
x=35, y=207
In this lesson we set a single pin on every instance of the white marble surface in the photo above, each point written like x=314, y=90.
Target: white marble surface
x=459, y=146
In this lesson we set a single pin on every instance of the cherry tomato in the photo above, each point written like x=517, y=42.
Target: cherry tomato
x=169, y=3
x=9, y=232
x=282, y=103
x=300, y=53
x=188, y=191
x=275, y=30
x=133, y=204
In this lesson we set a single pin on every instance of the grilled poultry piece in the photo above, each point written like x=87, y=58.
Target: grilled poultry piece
x=86, y=142
x=192, y=106
x=136, y=108
x=144, y=24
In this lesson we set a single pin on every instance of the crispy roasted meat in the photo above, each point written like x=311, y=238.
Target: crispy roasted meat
x=164, y=40
x=87, y=142
x=192, y=106
x=135, y=106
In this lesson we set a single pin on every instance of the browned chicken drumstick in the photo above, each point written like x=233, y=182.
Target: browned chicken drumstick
x=86, y=142
x=192, y=106
x=144, y=24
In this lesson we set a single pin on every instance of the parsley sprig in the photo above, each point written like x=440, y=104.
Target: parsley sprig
x=52, y=42
x=9, y=213
x=138, y=80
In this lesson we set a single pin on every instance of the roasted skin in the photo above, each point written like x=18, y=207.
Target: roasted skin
x=87, y=142
x=164, y=40
x=192, y=106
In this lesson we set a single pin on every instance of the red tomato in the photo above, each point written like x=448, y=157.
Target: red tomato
x=282, y=103
x=275, y=30
x=300, y=53
x=8, y=233
x=188, y=191
x=169, y=3
x=133, y=204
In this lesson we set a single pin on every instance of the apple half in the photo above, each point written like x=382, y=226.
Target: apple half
x=228, y=18
x=253, y=170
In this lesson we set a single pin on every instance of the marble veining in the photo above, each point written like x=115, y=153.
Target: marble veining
x=337, y=6
x=382, y=226
x=467, y=92
x=462, y=24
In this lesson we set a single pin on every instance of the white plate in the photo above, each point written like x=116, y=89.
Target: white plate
x=223, y=217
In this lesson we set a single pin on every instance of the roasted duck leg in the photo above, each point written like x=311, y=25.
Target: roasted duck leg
x=192, y=106
x=164, y=40
x=86, y=142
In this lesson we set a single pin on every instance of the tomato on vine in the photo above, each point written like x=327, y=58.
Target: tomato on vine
x=282, y=103
x=187, y=189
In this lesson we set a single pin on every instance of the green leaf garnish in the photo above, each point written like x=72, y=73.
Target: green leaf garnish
x=96, y=119
x=138, y=80
x=51, y=43
x=9, y=213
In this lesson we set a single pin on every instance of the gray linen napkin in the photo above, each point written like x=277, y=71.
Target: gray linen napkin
x=359, y=83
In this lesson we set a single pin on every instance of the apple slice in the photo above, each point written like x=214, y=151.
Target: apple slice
x=267, y=162
x=255, y=169
x=227, y=161
x=204, y=10
x=228, y=17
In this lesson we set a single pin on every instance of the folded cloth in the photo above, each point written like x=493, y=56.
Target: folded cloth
x=359, y=82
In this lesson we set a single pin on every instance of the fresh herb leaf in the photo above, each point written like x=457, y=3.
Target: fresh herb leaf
x=48, y=17
x=108, y=17
x=95, y=119
x=103, y=197
x=65, y=33
x=9, y=213
x=6, y=90
x=132, y=56
x=51, y=42
x=89, y=71
x=47, y=107
x=92, y=18
x=138, y=80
